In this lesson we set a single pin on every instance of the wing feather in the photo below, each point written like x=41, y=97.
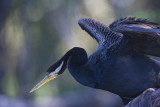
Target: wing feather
x=143, y=35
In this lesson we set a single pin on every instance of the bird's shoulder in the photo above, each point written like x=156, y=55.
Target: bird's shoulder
x=102, y=56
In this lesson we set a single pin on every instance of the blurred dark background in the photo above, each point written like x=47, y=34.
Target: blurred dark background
x=36, y=33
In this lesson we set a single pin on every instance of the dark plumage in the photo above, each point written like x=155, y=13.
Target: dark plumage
x=120, y=64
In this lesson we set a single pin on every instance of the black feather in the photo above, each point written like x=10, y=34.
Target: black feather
x=132, y=20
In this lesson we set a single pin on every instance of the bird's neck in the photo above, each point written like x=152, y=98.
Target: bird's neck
x=77, y=57
x=79, y=68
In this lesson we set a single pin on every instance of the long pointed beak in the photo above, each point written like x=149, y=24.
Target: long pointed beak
x=43, y=81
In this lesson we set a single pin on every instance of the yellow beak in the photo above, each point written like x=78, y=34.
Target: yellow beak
x=43, y=81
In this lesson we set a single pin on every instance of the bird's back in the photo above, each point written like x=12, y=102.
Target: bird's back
x=127, y=75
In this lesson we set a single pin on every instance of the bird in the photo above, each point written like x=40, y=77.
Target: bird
x=123, y=62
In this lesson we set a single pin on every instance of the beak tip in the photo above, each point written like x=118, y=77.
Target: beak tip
x=31, y=90
x=42, y=82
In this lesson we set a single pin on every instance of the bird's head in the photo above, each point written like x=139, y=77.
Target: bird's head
x=75, y=56
x=55, y=70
